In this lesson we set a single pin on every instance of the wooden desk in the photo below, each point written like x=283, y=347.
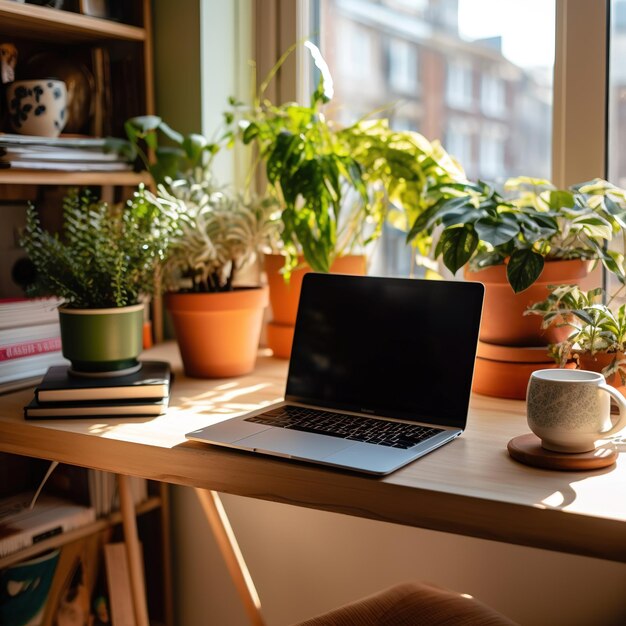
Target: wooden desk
x=469, y=487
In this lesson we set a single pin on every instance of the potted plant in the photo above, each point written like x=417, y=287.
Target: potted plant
x=102, y=264
x=595, y=337
x=217, y=322
x=172, y=161
x=335, y=187
x=519, y=243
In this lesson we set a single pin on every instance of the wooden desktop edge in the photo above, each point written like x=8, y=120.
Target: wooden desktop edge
x=299, y=484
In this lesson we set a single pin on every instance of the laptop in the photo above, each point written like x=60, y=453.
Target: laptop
x=380, y=374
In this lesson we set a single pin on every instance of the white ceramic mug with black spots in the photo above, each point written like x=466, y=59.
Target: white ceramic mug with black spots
x=570, y=410
x=37, y=107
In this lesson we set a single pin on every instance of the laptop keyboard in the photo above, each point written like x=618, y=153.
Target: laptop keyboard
x=375, y=431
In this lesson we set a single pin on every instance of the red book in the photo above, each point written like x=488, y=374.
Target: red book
x=30, y=348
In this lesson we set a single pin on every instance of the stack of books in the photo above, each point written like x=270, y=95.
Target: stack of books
x=62, y=395
x=70, y=154
x=23, y=524
x=30, y=340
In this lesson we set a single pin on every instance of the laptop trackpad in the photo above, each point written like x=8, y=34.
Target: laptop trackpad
x=228, y=431
x=295, y=443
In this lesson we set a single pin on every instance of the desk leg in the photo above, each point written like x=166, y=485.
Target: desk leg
x=227, y=543
x=133, y=551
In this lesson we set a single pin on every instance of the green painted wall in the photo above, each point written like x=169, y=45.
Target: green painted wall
x=177, y=63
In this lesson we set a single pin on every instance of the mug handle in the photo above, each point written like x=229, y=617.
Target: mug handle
x=621, y=402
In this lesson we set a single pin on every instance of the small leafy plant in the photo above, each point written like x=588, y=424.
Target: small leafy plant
x=533, y=222
x=595, y=326
x=218, y=234
x=173, y=161
x=105, y=257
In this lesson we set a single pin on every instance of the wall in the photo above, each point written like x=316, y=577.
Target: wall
x=305, y=562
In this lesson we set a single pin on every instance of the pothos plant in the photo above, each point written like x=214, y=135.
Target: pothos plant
x=105, y=256
x=596, y=327
x=531, y=222
x=335, y=185
x=218, y=234
x=180, y=155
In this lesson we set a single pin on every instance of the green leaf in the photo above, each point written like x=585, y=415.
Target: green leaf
x=523, y=269
x=497, y=231
x=167, y=165
x=614, y=262
x=457, y=245
x=279, y=156
x=425, y=220
x=144, y=123
x=559, y=199
x=584, y=316
x=194, y=146
x=251, y=131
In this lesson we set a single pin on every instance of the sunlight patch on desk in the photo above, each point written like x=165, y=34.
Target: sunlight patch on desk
x=224, y=393
x=227, y=386
x=555, y=500
x=96, y=429
x=594, y=490
x=191, y=412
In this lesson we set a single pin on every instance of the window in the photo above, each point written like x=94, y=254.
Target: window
x=459, y=84
x=492, y=95
x=459, y=141
x=617, y=110
x=354, y=50
x=403, y=67
x=492, y=153
x=617, y=94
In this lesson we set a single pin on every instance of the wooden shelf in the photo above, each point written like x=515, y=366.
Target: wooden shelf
x=89, y=529
x=38, y=177
x=46, y=24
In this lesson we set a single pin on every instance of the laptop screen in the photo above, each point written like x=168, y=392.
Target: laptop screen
x=397, y=347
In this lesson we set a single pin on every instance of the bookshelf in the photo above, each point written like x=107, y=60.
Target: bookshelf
x=20, y=474
x=151, y=504
x=124, y=48
x=114, y=179
x=127, y=47
x=51, y=24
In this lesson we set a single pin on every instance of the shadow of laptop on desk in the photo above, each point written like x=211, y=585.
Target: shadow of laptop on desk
x=380, y=374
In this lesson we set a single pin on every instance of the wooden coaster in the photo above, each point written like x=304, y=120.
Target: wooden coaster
x=527, y=449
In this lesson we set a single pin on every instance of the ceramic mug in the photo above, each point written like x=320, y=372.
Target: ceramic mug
x=569, y=410
x=38, y=107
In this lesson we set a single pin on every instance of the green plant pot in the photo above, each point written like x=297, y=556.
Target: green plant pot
x=101, y=341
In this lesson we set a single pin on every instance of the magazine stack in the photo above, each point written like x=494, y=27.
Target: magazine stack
x=30, y=340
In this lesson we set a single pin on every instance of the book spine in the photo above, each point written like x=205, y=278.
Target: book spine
x=29, y=348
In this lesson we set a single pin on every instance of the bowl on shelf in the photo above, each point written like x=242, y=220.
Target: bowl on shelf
x=37, y=107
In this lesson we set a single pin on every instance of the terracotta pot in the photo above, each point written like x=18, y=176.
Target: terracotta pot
x=503, y=371
x=284, y=297
x=218, y=333
x=503, y=321
x=598, y=361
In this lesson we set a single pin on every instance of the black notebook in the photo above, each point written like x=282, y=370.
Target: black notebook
x=152, y=381
x=123, y=408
